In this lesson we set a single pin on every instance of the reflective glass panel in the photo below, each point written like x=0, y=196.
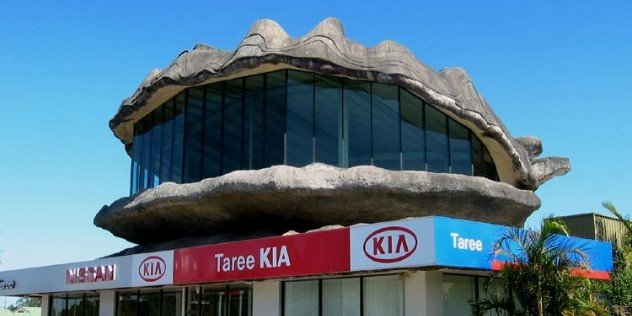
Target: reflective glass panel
x=58, y=306
x=357, y=125
x=341, y=297
x=274, y=141
x=127, y=304
x=194, y=133
x=436, y=141
x=413, y=133
x=489, y=166
x=178, y=139
x=146, y=154
x=74, y=307
x=254, y=122
x=166, y=141
x=383, y=295
x=327, y=120
x=460, y=149
x=212, y=131
x=232, y=123
x=172, y=303
x=156, y=135
x=300, y=118
x=458, y=291
x=301, y=298
x=137, y=150
x=385, y=126
x=149, y=304
x=477, y=157
x=91, y=305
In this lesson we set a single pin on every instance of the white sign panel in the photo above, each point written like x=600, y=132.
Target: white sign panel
x=398, y=244
x=152, y=268
x=107, y=273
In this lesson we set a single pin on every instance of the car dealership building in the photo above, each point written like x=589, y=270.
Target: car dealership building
x=305, y=176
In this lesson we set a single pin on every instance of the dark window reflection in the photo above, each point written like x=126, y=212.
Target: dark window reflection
x=385, y=127
x=300, y=118
x=75, y=305
x=328, y=120
x=296, y=118
x=413, y=133
x=212, y=130
x=194, y=132
x=460, y=149
x=254, y=122
x=357, y=124
x=274, y=136
x=178, y=139
x=436, y=141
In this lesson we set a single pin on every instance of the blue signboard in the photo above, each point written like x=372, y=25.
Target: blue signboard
x=466, y=244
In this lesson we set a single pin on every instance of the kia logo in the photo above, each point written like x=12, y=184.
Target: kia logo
x=390, y=244
x=152, y=269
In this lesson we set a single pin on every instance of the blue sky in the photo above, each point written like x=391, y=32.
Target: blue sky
x=557, y=70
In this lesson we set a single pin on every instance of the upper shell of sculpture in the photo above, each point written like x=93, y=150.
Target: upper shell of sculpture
x=326, y=50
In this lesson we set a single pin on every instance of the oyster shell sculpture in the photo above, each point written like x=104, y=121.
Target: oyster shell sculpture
x=282, y=198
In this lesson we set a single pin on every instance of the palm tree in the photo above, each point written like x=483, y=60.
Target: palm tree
x=539, y=275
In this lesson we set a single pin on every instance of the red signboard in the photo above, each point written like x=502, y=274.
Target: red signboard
x=302, y=254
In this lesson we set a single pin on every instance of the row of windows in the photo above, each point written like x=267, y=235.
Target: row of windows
x=359, y=296
x=296, y=118
x=212, y=300
x=75, y=305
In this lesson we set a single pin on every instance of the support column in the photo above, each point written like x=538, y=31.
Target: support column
x=46, y=301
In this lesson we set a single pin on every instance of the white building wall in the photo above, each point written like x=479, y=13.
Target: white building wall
x=266, y=298
x=107, y=303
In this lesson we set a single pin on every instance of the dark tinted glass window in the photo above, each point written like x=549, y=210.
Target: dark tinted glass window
x=232, y=120
x=489, y=166
x=460, y=149
x=194, y=133
x=146, y=153
x=212, y=130
x=328, y=123
x=156, y=140
x=477, y=157
x=166, y=141
x=297, y=118
x=178, y=139
x=137, y=149
x=300, y=118
x=274, y=142
x=413, y=133
x=127, y=304
x=436, y=141
x=357, y=125
x=149, y=304
x=254, y=122
x=385, y=127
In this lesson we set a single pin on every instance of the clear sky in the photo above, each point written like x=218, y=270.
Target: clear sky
x=558, y=70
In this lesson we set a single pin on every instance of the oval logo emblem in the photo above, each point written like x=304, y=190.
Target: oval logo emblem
x=152, y=269
x=390, y=244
